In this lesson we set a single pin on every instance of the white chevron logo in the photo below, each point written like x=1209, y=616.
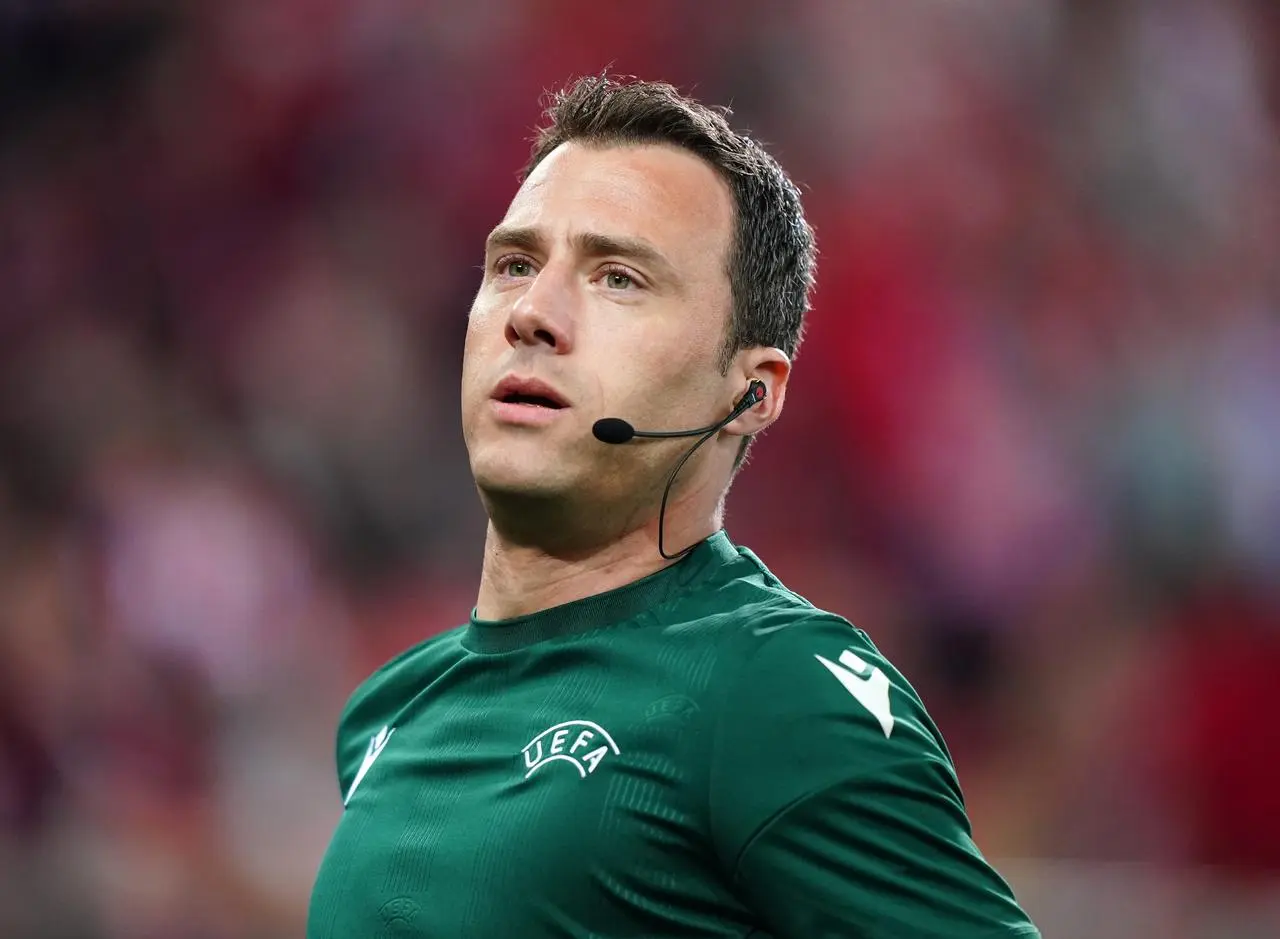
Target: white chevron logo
x=377, y=743
x=866, y=683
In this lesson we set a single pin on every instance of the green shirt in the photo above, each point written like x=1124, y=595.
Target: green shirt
x=700, y=753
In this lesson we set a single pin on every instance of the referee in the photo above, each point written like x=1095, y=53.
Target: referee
x=641, y=732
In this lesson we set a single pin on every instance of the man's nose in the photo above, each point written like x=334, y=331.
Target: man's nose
x=543, y=314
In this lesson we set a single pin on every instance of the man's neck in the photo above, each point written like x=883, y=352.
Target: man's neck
x=519, y=579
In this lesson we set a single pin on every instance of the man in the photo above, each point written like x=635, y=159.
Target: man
x=619, y=744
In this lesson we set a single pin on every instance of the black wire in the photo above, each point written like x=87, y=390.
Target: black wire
x=755, y=394
x=662, y=512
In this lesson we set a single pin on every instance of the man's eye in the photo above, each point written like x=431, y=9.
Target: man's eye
x=617, y=280
x=515, y=267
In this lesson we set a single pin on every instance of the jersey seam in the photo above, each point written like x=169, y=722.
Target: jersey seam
x=764, y=827
x=808, y=612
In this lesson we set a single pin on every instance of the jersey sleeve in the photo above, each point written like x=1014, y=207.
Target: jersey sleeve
x=834, y=803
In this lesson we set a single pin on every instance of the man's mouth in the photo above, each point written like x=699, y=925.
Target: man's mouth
x=536, y=401
x=530, y=393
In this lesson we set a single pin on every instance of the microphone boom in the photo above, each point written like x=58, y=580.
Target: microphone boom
x=616, y=430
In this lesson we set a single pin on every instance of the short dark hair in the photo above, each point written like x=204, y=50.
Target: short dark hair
x=772, y=259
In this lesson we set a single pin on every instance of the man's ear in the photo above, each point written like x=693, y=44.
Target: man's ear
x=770, y=366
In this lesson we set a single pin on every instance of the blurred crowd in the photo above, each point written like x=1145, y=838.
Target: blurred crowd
x=1032, y=444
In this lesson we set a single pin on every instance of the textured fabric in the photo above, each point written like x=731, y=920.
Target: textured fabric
x=701, y=753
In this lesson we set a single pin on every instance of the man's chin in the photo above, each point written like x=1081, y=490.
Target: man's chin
x=526, y=481
x=519, y=490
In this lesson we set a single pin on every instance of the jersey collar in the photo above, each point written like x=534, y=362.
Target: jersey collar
x=604, y=609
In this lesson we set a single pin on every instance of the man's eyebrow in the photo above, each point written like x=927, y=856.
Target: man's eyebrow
x=506, y=236
x=596, y=244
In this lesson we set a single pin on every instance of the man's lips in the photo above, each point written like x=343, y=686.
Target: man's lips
x=528, y=392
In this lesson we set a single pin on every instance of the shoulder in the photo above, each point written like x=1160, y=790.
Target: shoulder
x=767, y=631
x=377, y=700
x=792, y=673
x=813, y=661
x=406, y=671
x=805, y=703
x=823, y=761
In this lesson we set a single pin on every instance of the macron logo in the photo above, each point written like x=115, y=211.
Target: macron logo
x=866, y=683
x=377, y=743
x=581, y=744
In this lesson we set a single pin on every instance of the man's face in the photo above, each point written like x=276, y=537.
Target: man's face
x=606, y=289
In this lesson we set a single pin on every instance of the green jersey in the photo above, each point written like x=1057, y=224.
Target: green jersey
x=700, y=753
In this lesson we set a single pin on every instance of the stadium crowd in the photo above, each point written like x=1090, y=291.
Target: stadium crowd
x=1032, y=444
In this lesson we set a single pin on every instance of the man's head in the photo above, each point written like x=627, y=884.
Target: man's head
x=653, y=262
x=771, y=262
